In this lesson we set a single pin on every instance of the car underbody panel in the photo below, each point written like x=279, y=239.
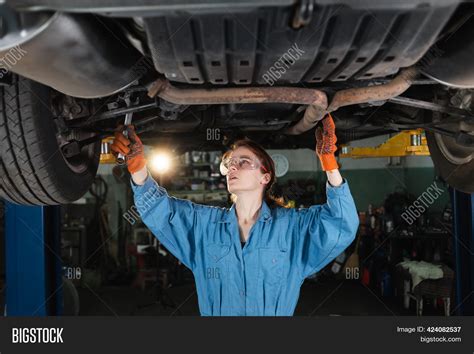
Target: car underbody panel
x=261, y=46
x=242, y=67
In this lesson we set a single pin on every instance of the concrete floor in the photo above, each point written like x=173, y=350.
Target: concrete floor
x=331, y=298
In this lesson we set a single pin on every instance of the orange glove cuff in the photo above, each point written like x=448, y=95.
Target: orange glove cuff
x=136, y=164
x=328, y=162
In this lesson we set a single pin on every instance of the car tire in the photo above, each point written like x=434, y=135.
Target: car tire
x=33, y=170
x=452, y=162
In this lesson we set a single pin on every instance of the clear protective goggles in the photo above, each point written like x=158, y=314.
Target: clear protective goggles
x=241, y=163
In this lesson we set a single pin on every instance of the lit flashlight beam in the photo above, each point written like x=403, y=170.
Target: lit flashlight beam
x=160, y=162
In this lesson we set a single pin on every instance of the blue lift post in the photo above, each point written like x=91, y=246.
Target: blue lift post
x=463, y=230
x=33, y=262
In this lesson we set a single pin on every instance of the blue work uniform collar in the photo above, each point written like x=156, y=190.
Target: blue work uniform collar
x=231, y=214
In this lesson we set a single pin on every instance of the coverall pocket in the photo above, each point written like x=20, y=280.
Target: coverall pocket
x=271, y=265
x=216, y=273
x=217, y=251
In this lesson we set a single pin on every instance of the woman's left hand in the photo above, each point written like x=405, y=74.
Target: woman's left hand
x=326, y=144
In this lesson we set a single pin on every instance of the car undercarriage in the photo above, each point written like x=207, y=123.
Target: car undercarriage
x=265, y=70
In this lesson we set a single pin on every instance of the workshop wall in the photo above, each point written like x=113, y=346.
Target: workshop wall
x=370, y=179
x=419, y=175
x=116, y=196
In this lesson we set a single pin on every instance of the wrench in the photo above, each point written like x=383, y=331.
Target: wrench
x=121, y=158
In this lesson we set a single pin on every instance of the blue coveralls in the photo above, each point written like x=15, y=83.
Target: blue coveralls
x=264, y=277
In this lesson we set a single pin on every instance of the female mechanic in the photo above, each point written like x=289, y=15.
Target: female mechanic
x=252, y=258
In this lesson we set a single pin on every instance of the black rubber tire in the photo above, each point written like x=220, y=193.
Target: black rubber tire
x=33, y=170
x=460, y=177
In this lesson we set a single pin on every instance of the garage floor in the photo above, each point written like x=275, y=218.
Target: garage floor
x=335, y=297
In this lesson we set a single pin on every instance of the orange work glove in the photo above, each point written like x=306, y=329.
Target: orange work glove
x=326, y=144
x=131, y=147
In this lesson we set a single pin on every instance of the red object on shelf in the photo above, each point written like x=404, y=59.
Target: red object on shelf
x=144, y=274
x=365, y=276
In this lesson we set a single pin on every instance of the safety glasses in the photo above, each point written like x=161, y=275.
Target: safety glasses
x=241, y=163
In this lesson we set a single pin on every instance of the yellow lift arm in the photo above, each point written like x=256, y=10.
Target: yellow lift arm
x=106, y=156
x=406, y=143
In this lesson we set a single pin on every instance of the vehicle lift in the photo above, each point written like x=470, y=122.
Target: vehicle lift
x=32, y=237
x=413, y=143
x=406, y=143
x=33, y=268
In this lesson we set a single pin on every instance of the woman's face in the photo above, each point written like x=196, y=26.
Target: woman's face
x=242, y=179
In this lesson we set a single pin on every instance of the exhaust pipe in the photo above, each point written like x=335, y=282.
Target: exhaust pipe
x=315, y=99
x=394, y=88
x=312, y=115
x=296, y=95
x=75, y=54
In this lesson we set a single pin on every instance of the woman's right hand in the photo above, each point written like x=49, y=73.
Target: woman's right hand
x=131, y=148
